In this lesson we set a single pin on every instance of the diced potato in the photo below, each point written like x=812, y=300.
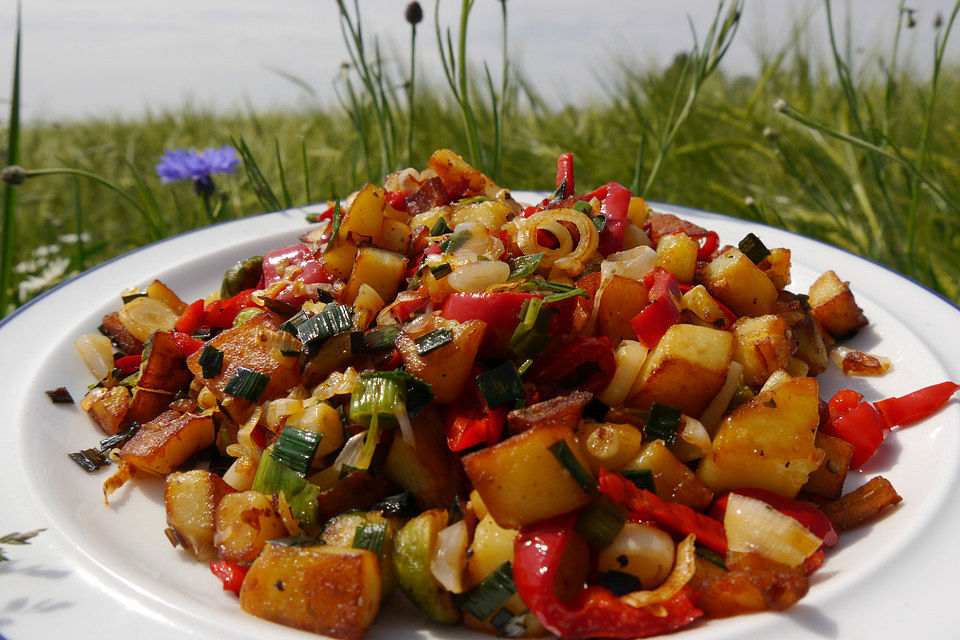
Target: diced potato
x=777, y=267
x=191, y=501
x=163, y=444
x=827, y=479
x=677, y=253
x=609, y=445
x=332, y=591
x=447, y=368
x=672, y=480
x=735, y=281
x=861, y=504
x=685, y=370
x=378, y=268
x=762, y=345
x=834, y=307
x=146, y=405
x=454, y=171
x=522, y=482
x=752, y=583
x=164, y=294
x=163, y=367
x=395, y=235
x=338, y=261
x=107, y=407
x=129, y=344
x=363, y=220
x=620, y=302
x=244, y=523
x=341, y=530
x=811, y=346
x=704, y=308
x=767, y=443
x=491, y=214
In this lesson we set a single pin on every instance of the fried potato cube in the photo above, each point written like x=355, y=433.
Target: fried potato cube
x=767, y=443
x=363, y=219
x=164, y=443
x=672, y=480
x=448, y=367
x=333, y=591
x=163, y=367
x=777, y=267
x=622, y=299
x=861, y=504
x=395, y=235
x=752, y=583
x=244, y=523
x=827, y=479
x=685, y=370
x=378, y=268
x=834, y=307
x=191, y=501
x=107, y=407
x=338, y=261
x=762, y=345
x=677, y=253
x=735, y=281
x=704, y=309
x=522, y=482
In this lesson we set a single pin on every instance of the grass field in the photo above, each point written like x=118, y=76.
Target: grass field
x=863, y=159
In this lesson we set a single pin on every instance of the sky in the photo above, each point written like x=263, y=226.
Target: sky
x=102, y=58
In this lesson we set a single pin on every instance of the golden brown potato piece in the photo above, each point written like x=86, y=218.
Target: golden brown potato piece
x=333, y=591
x=777, y=267
x=762, y=345
x=672, y=480
x=244, y=523
x=827, y=479
x=735, y=281
x=378, y=268
x=700, y=308
x=677, y=253
x=834, y=307
x=356, y=490
x=562, y=410
x=753, y=583
x=107, y=407
x=622, y=299
x=861, y=504
x=191, y=501
x=686, y=369
x=163, y=367
x=163, y=444
x=811, y=346
x=447, y=368
x=458, y=176
x=118, y=333
x=522, y=482
x=767, y=443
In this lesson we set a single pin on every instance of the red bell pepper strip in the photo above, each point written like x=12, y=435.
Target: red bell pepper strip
x=803, y=512
x=651, y=323
x=411, y=302
x=191, y=318
x=647, y=505
x=128, y=364
x=862, y=427
x=660, y=282
x=230, y=573
x=397, y=200
x=843, y=401
x=499, y=310
x=708, y=244
x=220, y=314
x=614, y=209
x=561, y=362
x=595, y=612
x=467, y=428
x=188, y=345
x=565, y=173
x=916, y=406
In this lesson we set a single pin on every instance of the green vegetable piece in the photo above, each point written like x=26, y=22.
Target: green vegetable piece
x=296, y=448
x=273, y=477
x=381, y=338
x=245, y=274
x=492, y=593
x=456, y=240
x=413, y=549
x=524, y=266
x=343, y=531
x=442, y=270
x=440, y=227
x=247, y=384
x=753, y=248
x=246, y=314
x=641, y=478
x=663, y=423
x=501, y=386
x=337, y=218
x=561, y=451
x=433, y=341
x=210, y=361
x=370, y=536
x=601, y=521
x=583, y=207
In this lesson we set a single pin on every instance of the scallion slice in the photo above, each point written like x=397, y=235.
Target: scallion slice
x=601, y=521
x=560, y=193
x=474, y=200
x=441, y=270
x=60, y=395
x=376, y=395
x=335, y=318
x=440, y=227
x=456, y=240
x=382, y=337
x=211, y=361
x=530, y=337
x=753, y=248
x=296, y=448
x=524, y=266
x=562, y=452
x=619, y=582
x=492, y=593
x=711, y=556
x=433, y=341
x=370, y=536
x=89, y=459
x=599, y=222
x=663, y=423
x=641, y=478
x=133, y=295
x=273, y=477
x=501, y=386
x=583, y=207
x=337, y=218
x=247, y=384
x=120, y=438
x=509, y=625
x=563, y=295
x=356, y=342
x=293, y=324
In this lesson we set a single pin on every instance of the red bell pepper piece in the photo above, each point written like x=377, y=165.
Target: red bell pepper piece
x=843, y=401
x=663, y=310
x=397, y=200
x=220, y=314
x=561, y=362
x=499, y=310
x=188, y=345
x=708, y=244
x=614, y=209
x=862, y=427
x=467, y=428
x=647, y=505
x=410, y=304
x=128, y=364
x=191, y=318
x=565, y=173
x=803, y=512
x=230, y=573
x=916, y=406
x=595, y=612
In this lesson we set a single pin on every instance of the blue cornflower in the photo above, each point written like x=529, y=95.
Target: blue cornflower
x=189, y=164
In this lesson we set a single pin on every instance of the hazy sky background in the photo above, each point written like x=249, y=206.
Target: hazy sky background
x=121, y=57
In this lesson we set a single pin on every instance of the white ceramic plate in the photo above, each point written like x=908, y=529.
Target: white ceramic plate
x=100, y=571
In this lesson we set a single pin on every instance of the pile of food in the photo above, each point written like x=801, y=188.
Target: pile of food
x=579, y=417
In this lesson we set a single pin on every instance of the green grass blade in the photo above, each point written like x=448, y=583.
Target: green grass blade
x=9, y=220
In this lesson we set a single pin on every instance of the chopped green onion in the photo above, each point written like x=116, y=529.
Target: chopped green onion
x=530, y=336
x=475, y=200
x=401, y=505
x=433, y=341
x=509, y=625
x=522, y=369
x=562, y=452
x=560, y=193
x=381, y=338
x=335, y=228
x=557, y=297
x=120, y=438
x=370, y=536
x=541, y=285
x=456, y=240
x=247, y=384
x=583, y=207
x=456, y=511
x=210, y=361
x=524, y=266
x=641, y=478
x=599, y=222
x=273, y=477
x=710, y=556
x=663, y=423
x=296, y=448
x=60, y=395
x=127, y=297
x=601, y=521
x=356, y=342
x=753, y=248
x=293, y=324
x=335, y=318
x=441, y=270
x=501, y=385
x=492, y=593
x=89, y=459
x=440, y=227
x=376, y=395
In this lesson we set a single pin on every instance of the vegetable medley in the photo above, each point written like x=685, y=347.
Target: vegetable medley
x=579, y=417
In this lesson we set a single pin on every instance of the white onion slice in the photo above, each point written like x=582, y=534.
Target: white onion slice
x=450, y=557
x=476, y=277
x=629, y=357
x=350, y=452
x=97, y=351
x=754, y=526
